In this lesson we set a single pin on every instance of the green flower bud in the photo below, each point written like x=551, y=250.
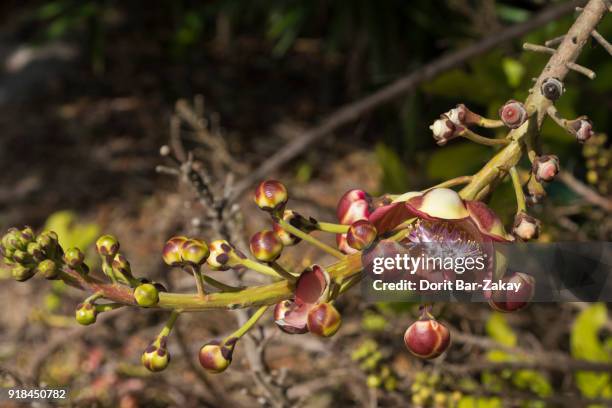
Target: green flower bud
x=86, y=314
x=20, y=256
x=266, y=246
x=171, y=253
x=107, y=245
x=194, y=251
x=156, y=357
x=14, y=239
x=22, y=273
x=47, y=269
x=35, y=250
x=222, y=255
x=74, y=257
x=146, y=295
x=28, y=234
x=216, y=356
x=361, y=234
x=122, y=265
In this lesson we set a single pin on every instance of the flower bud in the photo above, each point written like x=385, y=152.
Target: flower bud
x=47, y=269
x=122, y=265
x=552, y=88
x=74, y=257
x=545, y=168
x=526, y=227
x=221, y=254
x=20, y=256
x=324, y=320
x=86, y=314
x=513, y=114
x=194, y=251
x=427, y=338
x=299, y=222
x=510, y=300
x=443, y=130
x=146, y=295
x=581, y=128
x=361, y=234
x=216, y=356
x=22, y=273
x=266, y=246
x=14, y=239
x=271, y=195
x=48, y=241
x=35, y=251
x=107, y=245
x=172, y=251
x=28, y=234
x=156, y=357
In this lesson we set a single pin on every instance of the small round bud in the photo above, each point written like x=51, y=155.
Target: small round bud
x=122, y=265
x=107, y=245
x=194, y=251
x=216, y=356
x=146, y=295
x=361, y=234
x=164, y=150
x=513, y=114
x=443, y=130
x=28, y=234
x=526, y=227
x=22, y=273
x=47, y=269
x=511, y=300
x=271, y=195
x=324, y=320
x=74, y=257
x=581, y=128
x=552, y=88
x=35, y=251
x=86, y=314
x=545, y=168
x=48, y=241
x=172, y=251
x=14, y=239
x=156, y=357
x=427, y=338
x=220, y=257
x=20, y=256
x=266, y=246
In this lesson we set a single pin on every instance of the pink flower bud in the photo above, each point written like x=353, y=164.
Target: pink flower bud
x=510, y=300
x=545, y=168
x=427, y=338
x=361, y=234
x=443, y=130
x=216, y=356
x=348, y=213
x=526, y=227
x=271, y=195
x=513, y=114
x=266, y=246
x=581, y=128
x=324, y=320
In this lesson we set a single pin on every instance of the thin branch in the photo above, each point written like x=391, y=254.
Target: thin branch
x=585, y=191
x=355, y=110
x=602, y=41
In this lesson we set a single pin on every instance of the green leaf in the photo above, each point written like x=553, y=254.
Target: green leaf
x=514, y=71
x=70, y=232
x=395, y=176
x=455, y=160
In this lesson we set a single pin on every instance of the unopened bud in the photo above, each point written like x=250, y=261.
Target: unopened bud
x=581, y=128
x=35, y=250
x=22, y=273
x=526, y=227
x=266, y=246
x=221, y=255
x=513, y=114
x=171, y=253
x=156, y=357
x=86, y=314
x=443, y=130
x=47, y=269
x=511, y=300
x=271, y=195
x=552, y=88
x=361, y=234
x=122, y=265
x=107, y=245
x=74, y=257
x=427, y=338
x=216, y=356
x=298, y=221
x=545, y=168
x=146, y=295
x=324, y=320
x=194, y=252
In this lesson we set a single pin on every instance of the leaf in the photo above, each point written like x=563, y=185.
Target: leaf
x=395, y=176
x=70, y=232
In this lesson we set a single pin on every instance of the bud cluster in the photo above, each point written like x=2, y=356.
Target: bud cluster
x=28, y=254
x=180, y=251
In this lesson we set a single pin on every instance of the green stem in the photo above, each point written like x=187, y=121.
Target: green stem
x=94, y=297
x=518, y=190
x=457, y=181
x=258, y=267
x=490, y=123
x=310, y=239
x=468, y=134
x=283, y=272
x=108, y=307
x=197, y=275
x=220, y=285
x=248, y=325
x=169, y=323
x=331, y=227
x=108, y=269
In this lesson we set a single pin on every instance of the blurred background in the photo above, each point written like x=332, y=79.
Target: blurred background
x=90, y=90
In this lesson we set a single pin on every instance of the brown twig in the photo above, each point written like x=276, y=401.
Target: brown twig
x=590, y=195
x=354, y=110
